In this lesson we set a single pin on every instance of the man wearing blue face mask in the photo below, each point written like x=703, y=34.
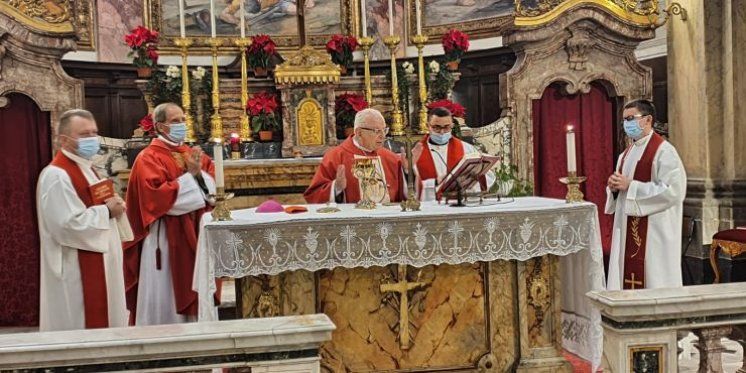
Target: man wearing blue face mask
x=167, y=194
x=439, y=152
x=646, y=195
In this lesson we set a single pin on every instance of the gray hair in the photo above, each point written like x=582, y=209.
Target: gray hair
x=159, y=113
x=67, y=117
x=366, y=115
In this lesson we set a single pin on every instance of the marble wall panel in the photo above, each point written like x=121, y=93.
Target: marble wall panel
x=115, y=19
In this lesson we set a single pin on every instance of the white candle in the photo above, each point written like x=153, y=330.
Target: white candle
x=217, y=155
x=419, y=21
x=182, y=27
x=212, y=18
x=243, y=20
x=391, y=18
x=363, y=19
x=571, y=161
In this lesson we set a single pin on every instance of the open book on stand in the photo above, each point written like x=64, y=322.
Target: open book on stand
x=466, y=173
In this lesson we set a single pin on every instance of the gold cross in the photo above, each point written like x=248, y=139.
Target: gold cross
x=632, y=282
x=402, y=287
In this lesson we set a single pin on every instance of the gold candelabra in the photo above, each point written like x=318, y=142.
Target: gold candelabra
x=242, y=44
x=186, y=96
x=216, y=122
x=366, y=43
x=412, y=203
x=397, y=121
x=420, y=41
x=573, y=181
x=221, y=211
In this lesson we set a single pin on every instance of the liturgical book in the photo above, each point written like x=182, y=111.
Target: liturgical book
x=467, y=173
x=101, y=191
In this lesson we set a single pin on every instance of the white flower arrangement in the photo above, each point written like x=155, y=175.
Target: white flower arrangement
x=173, y=72
x=199, y=73
x=408, y=67
x=434, y=66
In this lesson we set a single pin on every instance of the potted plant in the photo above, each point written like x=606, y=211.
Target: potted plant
x=455, y=44
x=340, y=47
x=143, y=44
x=261, y=108
x=142, y=136
x=260, y=54
x=507, y=183
x=457, y=112
x=346, y=106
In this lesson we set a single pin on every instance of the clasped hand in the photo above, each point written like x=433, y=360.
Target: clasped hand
x=193, y=161
x=618, y=182
x=116, y=206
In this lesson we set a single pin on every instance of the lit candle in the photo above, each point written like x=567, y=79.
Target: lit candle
x=571, y=161
x=419, y=22
x=243, y=20
x=212, y=18
x=217, y=155
x=182, y=27
x=391, y=18
x=363, y=19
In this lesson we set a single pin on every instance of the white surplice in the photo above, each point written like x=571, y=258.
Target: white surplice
x=66, y=226
x=661, y=200
x=156, y=303
x=440, y=160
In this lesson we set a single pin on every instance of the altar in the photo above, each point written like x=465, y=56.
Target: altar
x=492, y=288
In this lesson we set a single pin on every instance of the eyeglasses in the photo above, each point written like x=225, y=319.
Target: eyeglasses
x=441, y=128
x=631, y=117
x=377, y=132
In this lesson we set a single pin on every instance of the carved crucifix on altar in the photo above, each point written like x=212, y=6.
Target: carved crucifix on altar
x=402, y=287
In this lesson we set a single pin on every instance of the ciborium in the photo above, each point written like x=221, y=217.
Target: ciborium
x=367, y=175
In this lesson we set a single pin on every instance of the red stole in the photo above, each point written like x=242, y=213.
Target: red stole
x=635, y=243
x=426, y=165
x=92, y=272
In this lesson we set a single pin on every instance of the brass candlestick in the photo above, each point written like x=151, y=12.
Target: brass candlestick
x=412, y=203
x=365, y=44
x=242, y=44
x=419, y=41
x=397, y=121
x=216, y=122
x=186, y=96
x=221, y=211
x=574, y=195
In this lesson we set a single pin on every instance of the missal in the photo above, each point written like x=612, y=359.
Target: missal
x=466, y=173
x=101, y=191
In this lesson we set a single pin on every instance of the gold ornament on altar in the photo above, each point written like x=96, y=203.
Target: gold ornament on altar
x=307, y=66
x=216, y=122
x=365, y=44
x=367, y=175
x=574, y=195
x=420, y=41
x=310, y=122
x=47, y=16
x=397, y=121
x=245, y=128
x=186, y=97
x=538, y=13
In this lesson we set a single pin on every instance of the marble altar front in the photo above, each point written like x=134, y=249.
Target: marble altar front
x=472, y=289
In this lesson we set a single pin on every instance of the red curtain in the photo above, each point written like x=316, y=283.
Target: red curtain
x=24, y=150
x=592, y=116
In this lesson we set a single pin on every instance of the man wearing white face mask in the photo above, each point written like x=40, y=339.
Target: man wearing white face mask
x=82, y=285
x=439, y=152
x=646, y=195
x=166, y=196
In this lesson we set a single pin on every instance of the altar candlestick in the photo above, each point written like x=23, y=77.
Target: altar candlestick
x=419, y=21
x=571, y=160
x=363, y=19
x=217, y=155
x=182, y=27
x=212, y=18
x=391, y=18
x=243, y=20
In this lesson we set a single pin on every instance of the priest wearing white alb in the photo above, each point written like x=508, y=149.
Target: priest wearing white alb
x=82, y=284
x=646, y=194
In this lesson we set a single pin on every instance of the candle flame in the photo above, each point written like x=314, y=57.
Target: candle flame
x=569, y=128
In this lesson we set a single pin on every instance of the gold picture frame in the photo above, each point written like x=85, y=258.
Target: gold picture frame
x=476, y=28
x=649, y=348
x=153, y=18
x=85, y=25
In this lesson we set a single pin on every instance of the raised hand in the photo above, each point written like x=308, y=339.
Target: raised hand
x=341, y=179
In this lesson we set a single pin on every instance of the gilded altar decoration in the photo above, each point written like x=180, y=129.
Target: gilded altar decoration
x=54, y=16
x=310, y=122
x=307, y=66
x=371, y=179
x=536, y=13
x=84, y=24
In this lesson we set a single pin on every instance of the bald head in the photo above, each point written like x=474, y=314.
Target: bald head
x=370, y=129
x=369, y=116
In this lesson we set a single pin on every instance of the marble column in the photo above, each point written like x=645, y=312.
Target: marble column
x=707, y=85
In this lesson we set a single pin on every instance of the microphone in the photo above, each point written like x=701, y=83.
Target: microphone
x=439, y=156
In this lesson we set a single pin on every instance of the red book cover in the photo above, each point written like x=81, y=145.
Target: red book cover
x=101, y=191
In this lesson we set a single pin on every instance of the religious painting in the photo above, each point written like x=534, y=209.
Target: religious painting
x=377, y=22
x=478, y=18
x=277, y=18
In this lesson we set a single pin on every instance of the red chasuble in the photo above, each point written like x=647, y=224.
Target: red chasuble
x=320, y=188
x=636, y=239
x=426, y=167
x=92, y=271
x=151, y=193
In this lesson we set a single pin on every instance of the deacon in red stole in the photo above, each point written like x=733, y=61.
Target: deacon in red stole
x=167, y=194
x=335, y=180
x=82, y=285
x=439, y=152
x=646, y=195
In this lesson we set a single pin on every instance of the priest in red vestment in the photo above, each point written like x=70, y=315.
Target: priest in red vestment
x=334, y=180
x=167, y=194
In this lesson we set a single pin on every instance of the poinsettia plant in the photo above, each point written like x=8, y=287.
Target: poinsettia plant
x=262, y=107
x=143, y=43
x=261, y=51
x=147, y=126
x=455, y=44
x=340, y=47
x=346, y=106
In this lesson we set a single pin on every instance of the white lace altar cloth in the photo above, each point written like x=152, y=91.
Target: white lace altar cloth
x=271, y=243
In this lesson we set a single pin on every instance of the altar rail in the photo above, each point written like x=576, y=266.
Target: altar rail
x=642, y=327
x=278, y=344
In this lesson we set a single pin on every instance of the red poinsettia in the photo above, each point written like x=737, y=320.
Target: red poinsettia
x=455, y=44
x=143, y=43
x=340, y=47
x=455, y=108
x=147, y=125
x=346, y=106
x=261, y=51
x=261, y=108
